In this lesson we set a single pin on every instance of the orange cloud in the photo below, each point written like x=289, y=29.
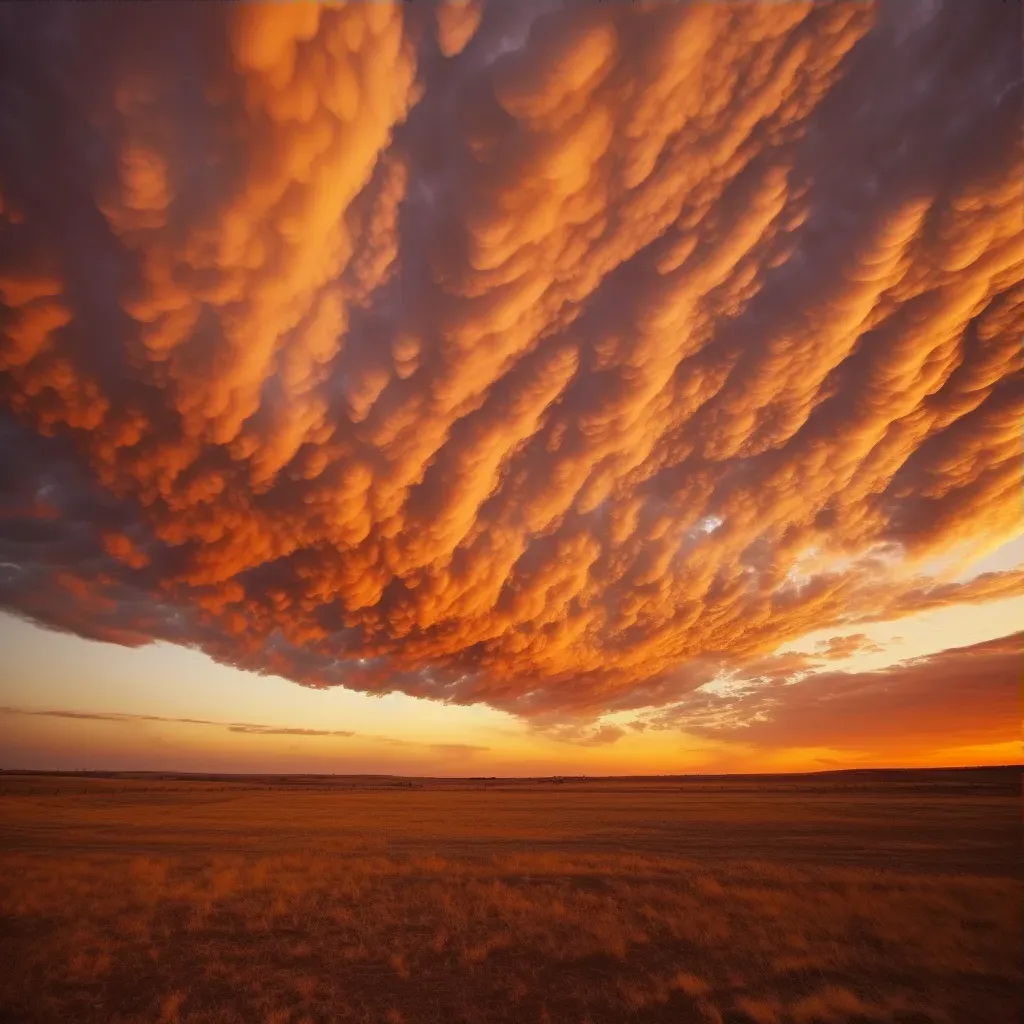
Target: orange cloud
x=457, y=20
x=548, y=360
x=957, y=697
x=838, y=647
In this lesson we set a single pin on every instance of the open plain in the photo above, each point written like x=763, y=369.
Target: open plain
x=840, y=897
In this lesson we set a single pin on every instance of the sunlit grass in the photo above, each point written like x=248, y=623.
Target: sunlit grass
x=353, y=932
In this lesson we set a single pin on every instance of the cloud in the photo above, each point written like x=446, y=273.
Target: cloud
x=458, y=749
x=838, y=647
x=273, y=730
x=444, y=750
x=127, y=718
x=547, y=357
x=581, y=733
x=457, y=20
x=959, y=696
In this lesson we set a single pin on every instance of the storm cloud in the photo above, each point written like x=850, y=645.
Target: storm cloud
x=533, y=354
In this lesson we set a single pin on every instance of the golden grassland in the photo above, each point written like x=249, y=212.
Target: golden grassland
x=307, y=902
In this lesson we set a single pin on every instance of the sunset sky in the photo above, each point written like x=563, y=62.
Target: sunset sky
x=511, y=388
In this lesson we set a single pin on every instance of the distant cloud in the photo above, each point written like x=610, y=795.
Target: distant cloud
x=274, y=730
x=959, y=696
x=104, y=716
x=445, y=750
x=838, y=647
x=248, y=728
x=581, y=734
x=458, y=749
x=546, y=356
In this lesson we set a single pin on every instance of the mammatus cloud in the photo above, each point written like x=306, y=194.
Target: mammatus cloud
x=534, y=354
x=960, y=696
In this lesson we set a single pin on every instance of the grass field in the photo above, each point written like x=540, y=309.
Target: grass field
x=876, y=897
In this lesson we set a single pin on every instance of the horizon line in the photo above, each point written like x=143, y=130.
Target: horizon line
x=497, y=778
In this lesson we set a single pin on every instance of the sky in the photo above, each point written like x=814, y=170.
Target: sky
x=511, y=389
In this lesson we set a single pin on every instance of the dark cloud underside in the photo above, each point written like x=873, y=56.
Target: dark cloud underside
x=520, y=353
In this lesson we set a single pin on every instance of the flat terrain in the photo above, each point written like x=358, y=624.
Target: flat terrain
x=842, y=897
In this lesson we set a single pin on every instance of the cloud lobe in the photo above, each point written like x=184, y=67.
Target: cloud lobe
x=507, y=356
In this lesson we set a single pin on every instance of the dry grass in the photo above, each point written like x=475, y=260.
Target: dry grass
x=353, y=929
